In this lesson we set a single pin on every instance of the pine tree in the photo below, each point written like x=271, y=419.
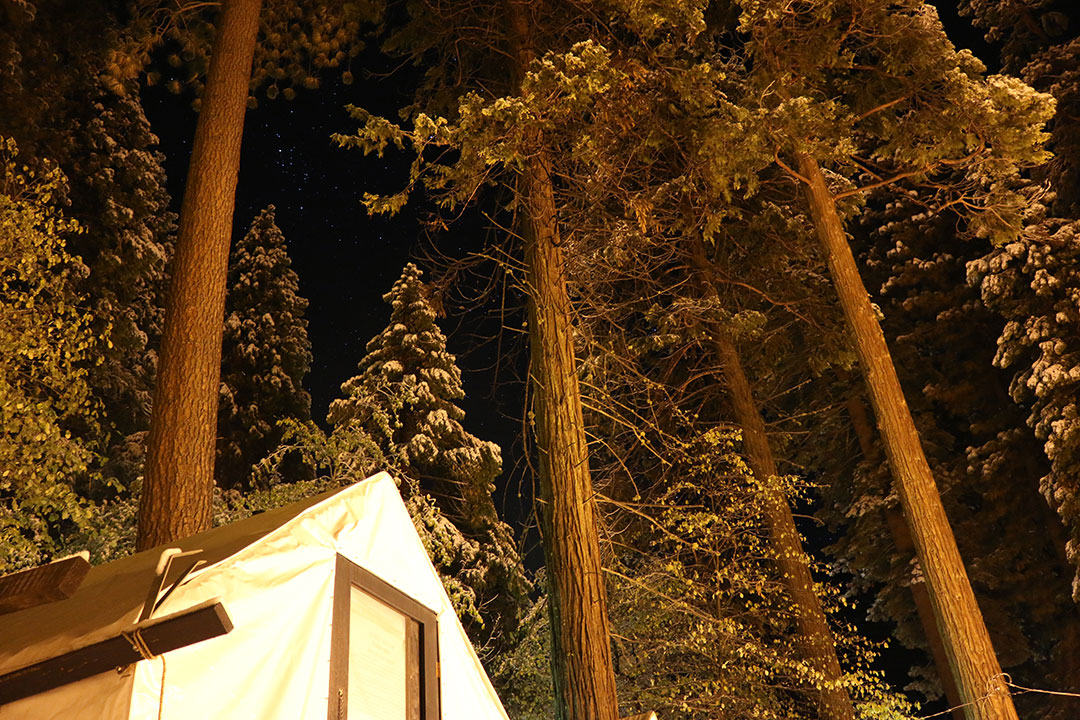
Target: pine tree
x=1031, y=282
x=404, y=397
x=1040, y=42
x=986, y=462
x=45, y=346
x=265, y=353
x=846, y=128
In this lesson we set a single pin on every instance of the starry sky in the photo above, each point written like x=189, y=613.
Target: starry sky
x=345, y=259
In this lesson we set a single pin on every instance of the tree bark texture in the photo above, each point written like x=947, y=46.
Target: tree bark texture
x=901, y=538
x=818, y=644
x=582, y=670
x=967, y=643
x=179, y=477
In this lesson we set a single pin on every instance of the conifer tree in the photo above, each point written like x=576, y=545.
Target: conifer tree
x=1031, y=282
x=1040, y=43
x=119, y=196
x=987, y=462
x=265, y=353
x=404, y=397
x=502, y=136
x=933, y=116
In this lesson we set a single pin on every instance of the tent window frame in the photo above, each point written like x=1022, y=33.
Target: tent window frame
x=348, y=575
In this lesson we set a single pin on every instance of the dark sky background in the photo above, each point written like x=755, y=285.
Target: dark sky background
x=347, y=260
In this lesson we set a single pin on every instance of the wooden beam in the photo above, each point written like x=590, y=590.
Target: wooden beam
x=159, y=636
x=44, y=584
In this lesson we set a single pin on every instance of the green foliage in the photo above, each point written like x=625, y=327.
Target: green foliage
x=101, y=140
x=523, y=673
x=46, y=342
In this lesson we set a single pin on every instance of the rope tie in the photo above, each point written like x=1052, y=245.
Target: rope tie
x=993, y=688
x=138, y=643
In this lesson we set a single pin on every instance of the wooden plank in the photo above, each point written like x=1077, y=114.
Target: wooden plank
x=44, y=584
x=160, y=635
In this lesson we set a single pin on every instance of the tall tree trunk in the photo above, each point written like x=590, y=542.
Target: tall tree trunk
x=901, y=538
x=178, y=481
x=582, y=670
x=819, y=648
x=967, y=643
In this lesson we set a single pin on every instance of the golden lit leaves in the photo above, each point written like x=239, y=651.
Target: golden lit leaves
x=46, y=348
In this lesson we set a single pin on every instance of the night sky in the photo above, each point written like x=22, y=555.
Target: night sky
x=345, y=259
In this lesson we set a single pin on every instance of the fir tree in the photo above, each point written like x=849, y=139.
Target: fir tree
x=265, y=353
x=404, y=396
x=1032, y=282
x=118, y=194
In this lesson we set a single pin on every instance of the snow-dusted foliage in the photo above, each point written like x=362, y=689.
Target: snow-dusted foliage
x=118, y=195
x=265, y=353
x=1040, y=43
x=1034, y=283
x=404, y=396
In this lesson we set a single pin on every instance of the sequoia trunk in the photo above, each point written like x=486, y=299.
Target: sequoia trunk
x=584, y=679
x=978, y=675
x=179, y=477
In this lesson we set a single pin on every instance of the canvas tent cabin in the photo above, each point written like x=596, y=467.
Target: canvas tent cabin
x=328, y=608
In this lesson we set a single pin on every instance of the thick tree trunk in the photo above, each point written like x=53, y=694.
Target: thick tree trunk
x=834, y=703
x=582, y=670
x=178, y=481
x=901, y=538
x=967, y=643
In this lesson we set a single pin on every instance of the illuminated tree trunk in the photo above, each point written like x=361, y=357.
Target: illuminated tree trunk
x=817, y=640
x=179, y=475
x=582, y=671
x=901, y=538
x=967, y=642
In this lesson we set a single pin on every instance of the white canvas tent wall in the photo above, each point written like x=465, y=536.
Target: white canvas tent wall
x=274, y=573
